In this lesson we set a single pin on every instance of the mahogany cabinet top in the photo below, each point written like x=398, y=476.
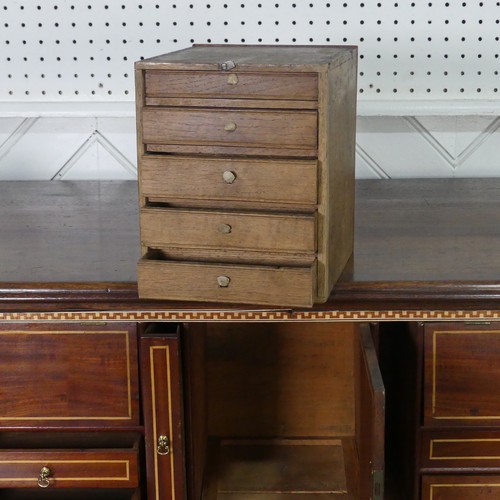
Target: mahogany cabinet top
x=418, y=244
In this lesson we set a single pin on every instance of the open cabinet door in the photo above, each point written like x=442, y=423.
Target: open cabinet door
x=163, y=413
x=370, y=419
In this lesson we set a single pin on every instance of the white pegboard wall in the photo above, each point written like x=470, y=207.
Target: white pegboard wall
x=69, y=50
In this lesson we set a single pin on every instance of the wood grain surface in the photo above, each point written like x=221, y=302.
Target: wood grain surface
x=418, y=243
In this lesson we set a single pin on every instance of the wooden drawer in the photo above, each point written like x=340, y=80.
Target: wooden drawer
x=234, y=84
x=461, y=449
x=69, y=468
x=162, y=279
x=228, y=230
x=462, y=374
x=231, y=181
x=461, y=487
x=68, y=375
x=284, y=131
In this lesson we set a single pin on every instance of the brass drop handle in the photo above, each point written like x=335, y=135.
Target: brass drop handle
x=223, y=281
x=163, y=445
x=43, y=477
x=230, y=127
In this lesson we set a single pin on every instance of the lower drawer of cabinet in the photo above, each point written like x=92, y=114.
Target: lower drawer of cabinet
x=172, y=280
x=464, y=449
x=109, y=468
x=458, y=487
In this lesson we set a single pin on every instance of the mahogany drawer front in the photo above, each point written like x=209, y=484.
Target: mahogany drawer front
x=283, y=182
x=65, y=375
x=107, y=468
x=460, y=449
x=241, y=85
x=462, y=375
x=288, y=130
x=227, y=230
x=461, y=487
x=225, y=283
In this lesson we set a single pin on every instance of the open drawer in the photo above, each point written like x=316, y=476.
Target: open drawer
x=162, y=278
x=293, y=411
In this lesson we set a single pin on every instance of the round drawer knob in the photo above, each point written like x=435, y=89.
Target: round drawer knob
x=230, y=127
x=232, y=79
x=225, y=228
x=229, y=177
x=223, y=281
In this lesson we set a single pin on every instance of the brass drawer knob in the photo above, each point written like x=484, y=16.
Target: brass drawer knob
x=223, y=281
x=230, y=127
x=229, y=177
x=224, y=228
x=163, y=445
x=232, y=79
x=43, y=477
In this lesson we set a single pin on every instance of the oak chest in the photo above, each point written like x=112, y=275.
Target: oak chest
x=246, y=172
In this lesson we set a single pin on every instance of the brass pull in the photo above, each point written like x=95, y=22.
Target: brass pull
x=163, y=445
x=232, y=79
x=229, y=177
x=230, y=127
x=223, y=281
x=225, y=228
x=43, y=477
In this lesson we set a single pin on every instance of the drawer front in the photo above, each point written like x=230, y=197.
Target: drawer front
x=68, y=375
x=461, y=487
x=288, y=86
x=462, y=375
x=461, y=449
x=230, y=180
x=69, y=469
x=255, y=129
x=227, y=230
x=225, y=283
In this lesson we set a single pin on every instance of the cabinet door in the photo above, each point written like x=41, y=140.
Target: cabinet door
x=462, y=374
x=163, y=414
x=68, y=375
x=370, y=419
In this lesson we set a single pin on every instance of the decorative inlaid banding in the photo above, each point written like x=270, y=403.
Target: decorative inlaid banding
x=197, y=315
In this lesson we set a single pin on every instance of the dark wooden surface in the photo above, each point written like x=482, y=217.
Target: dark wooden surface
x=419, y=243
x=68, y=231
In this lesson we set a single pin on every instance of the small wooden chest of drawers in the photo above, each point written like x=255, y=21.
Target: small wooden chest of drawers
x=246, y=172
